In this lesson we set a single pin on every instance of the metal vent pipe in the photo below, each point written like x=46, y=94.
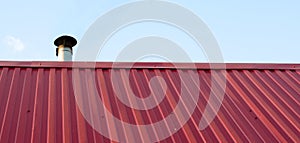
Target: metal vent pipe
x=64, y=50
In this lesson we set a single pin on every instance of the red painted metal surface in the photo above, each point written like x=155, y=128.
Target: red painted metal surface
x=37, y=102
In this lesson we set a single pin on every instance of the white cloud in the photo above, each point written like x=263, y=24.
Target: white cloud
x=14, y=43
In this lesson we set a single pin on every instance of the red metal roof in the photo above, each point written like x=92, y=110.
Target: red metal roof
x=38, y=102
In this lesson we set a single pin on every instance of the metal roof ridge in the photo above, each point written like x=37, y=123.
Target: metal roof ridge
x=150, y=65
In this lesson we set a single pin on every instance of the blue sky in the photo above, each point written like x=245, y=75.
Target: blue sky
x=247, y=31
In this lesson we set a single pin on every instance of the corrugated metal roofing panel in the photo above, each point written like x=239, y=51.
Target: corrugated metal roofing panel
x=38, y=102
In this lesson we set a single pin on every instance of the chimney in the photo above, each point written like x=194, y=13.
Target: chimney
x=64, y=50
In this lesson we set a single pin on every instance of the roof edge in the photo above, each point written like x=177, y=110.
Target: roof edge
x=148, y=65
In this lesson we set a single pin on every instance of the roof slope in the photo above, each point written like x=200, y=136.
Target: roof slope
x=38, y=103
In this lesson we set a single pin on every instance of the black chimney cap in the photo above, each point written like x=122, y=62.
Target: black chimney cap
x=66, y=41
